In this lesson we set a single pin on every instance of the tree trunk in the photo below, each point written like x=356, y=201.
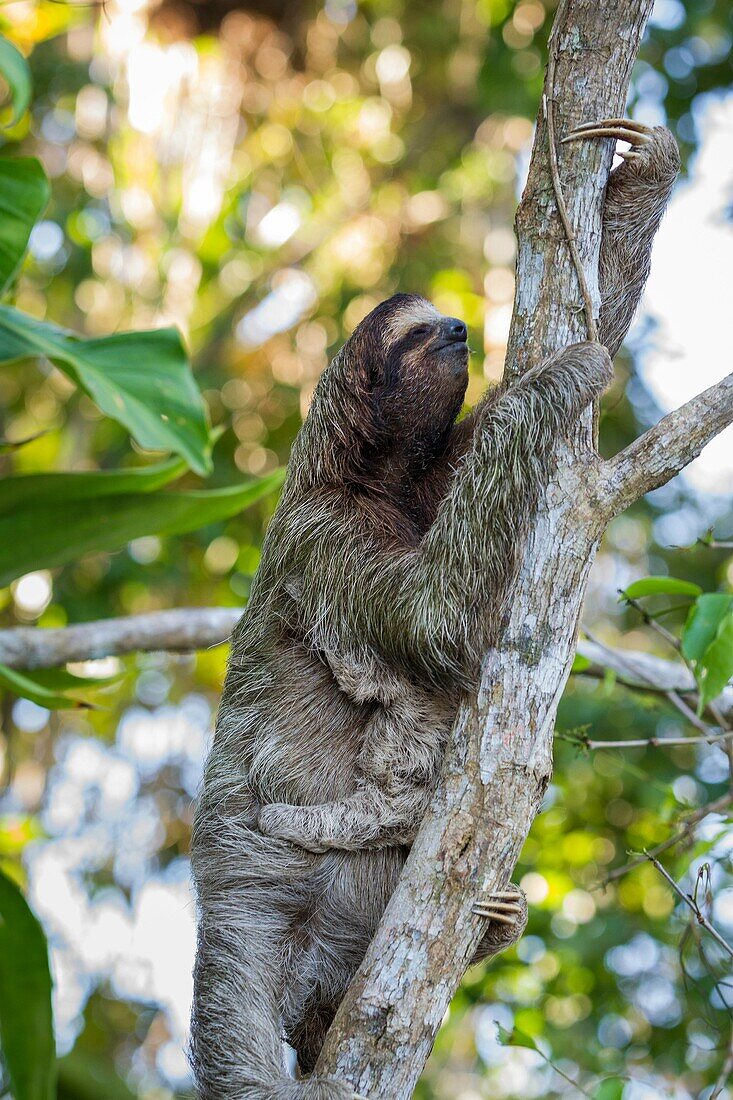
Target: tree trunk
x=499, y=761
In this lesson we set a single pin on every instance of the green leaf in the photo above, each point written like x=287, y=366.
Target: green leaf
x=24, y=192
x=30, y=490
x=14, y=68
x=717, y=663
x=660, y=586
x=140, y=379
x=580, y=663
x=612, y=1088
x=26, y=1022
x=38, y=688
x=54, y=533
x=515, y=1038
x=703, y=620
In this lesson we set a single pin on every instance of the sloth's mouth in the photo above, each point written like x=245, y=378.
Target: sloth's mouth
x=453, y=345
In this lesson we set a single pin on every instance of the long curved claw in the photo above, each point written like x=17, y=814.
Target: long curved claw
x=637, y=134
x=501, y=906
x=629, y=123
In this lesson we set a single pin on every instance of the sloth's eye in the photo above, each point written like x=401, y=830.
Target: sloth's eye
x=421, y=330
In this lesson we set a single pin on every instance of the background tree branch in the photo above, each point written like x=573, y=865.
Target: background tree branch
x=179, y=631
x=191, y=628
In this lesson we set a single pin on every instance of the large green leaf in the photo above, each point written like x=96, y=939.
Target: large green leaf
x=717, y=663
x=706, y=615
x=54, y=533
x=660, y=586
x=24, y=193
x=14, y=68
x=26, y=1022
x=28, y=490
x=141, y=379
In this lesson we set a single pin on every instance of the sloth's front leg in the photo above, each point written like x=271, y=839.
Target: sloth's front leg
x=636, y=197
x=507, y=912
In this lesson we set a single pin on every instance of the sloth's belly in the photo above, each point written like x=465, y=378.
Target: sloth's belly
x=322, y=712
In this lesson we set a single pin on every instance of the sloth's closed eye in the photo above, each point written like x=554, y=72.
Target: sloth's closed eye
x=421, y=330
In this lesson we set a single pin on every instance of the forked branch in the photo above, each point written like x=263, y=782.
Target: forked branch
x=660, y=453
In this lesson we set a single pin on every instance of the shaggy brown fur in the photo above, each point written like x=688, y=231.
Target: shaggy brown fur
x=386, y=574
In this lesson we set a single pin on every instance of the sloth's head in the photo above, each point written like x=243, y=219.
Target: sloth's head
x=419, y=363
x=392, y=393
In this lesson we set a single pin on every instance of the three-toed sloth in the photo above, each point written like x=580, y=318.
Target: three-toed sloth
x=385, y=576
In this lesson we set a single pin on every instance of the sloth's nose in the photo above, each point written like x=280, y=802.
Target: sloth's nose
x=456, y=330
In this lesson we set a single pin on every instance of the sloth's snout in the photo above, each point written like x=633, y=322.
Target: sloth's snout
x=452, y=331
x=455, y=330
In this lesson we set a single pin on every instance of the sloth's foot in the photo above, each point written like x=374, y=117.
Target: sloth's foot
x=506, y=911
x=504, y=906
x=653, y=153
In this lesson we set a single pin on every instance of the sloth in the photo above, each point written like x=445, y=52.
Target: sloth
x=386, y=574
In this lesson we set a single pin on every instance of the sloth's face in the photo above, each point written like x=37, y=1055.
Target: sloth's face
x=409, y=368
x=428, y=346
x=426, y=371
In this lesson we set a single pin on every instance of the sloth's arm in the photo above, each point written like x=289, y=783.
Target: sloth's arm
x=636, y=198
x=372, y=817
x=434, y=608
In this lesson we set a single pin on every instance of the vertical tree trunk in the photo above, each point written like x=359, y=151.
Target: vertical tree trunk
x=499, y=759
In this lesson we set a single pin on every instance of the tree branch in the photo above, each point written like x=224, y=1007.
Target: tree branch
x=188, y=628
x=660, y=453
x=685, y=832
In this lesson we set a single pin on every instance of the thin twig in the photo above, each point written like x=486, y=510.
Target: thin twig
x=684, y=833
x=650, y=621
x=690, y=902
x=548, y=111
x=725, y=1071
x=659, y=742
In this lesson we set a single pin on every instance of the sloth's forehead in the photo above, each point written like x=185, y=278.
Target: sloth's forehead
x=419, y=312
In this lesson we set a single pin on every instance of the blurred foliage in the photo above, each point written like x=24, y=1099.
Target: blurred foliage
x=259, y=177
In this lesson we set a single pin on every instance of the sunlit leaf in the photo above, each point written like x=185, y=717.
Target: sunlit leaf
x=717, y=662
x=703, y=620
x=27, y=490
x=580, y=663
x=660, y=586
x=24, y=192
x=140, y=379
x=52, y=533
x=515, y=1038
x=14, y=69
x=26, y=1023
